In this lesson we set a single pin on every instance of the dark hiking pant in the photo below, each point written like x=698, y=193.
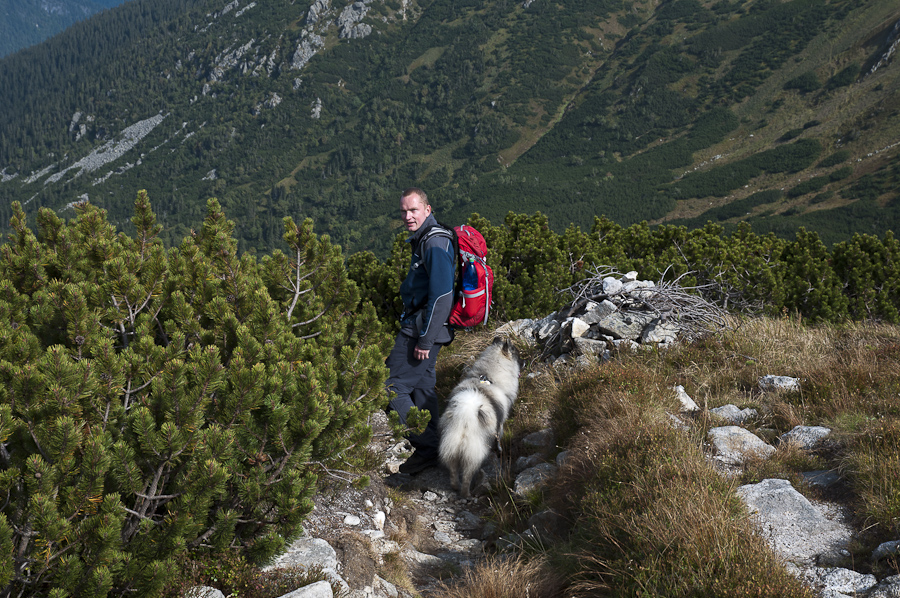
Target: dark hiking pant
x=414, y=381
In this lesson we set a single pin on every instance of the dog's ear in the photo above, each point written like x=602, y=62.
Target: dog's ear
x=498, y=340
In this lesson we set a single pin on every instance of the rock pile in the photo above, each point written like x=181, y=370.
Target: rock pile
x=615, y=312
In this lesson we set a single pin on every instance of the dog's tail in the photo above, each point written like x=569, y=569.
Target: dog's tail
x=467, y=429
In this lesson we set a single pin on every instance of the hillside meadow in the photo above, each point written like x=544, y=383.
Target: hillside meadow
x=646, y=512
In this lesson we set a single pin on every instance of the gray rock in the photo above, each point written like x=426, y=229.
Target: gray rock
x=594, y=312
x=587, y=346
x=562, y=458
x=624, y=326
x=795, y=529
x=823, y=478
x=316, y=10
x=575, y=328
x=889, y=587
x=521, y=328
x=385, y=587
x=687, y=403
x=625, y=344
x=308, y=552
x=630, y=276
x=320, y=589
x=805, y=436
x=203, y=592
x=771, y=383
x=467, y=521
x=886, y=549
x=533, y=478
x=540, y=439
x=733, y=414
x=411, y=555
x=611, y=285
x=840, y=580
x=523, y=463
x=658, y=331
x=547, y=524
x=491, y=474
x=443, y=537
x=734, y=445
x=638, y=288
x=351, y=520
x=545, y=328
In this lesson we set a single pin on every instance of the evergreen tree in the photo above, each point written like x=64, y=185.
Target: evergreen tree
x=811, y=287
x=158, y=402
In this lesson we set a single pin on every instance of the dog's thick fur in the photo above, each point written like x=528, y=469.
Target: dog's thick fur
x=477, y=410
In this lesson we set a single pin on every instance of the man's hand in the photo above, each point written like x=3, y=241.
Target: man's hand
x=421, y=354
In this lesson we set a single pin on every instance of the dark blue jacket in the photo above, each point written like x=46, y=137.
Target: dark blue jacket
x=427, y=292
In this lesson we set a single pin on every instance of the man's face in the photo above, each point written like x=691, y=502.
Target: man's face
x=413, y=211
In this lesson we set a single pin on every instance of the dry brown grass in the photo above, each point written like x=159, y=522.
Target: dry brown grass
x=506, y=578
x=649, y=515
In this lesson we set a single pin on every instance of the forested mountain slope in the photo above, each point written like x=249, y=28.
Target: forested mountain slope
x=24, y=23
x=782, y=113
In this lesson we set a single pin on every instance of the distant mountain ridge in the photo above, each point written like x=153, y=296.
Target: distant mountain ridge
x=24, y=23
x=785, y=114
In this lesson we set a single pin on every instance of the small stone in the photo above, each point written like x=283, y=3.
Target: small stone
x=320, y=589
x=562, y=458
x=469, y=544
x=771, y=383
x=805, y=436
x=369, y=504
x=533, y=478
x=823, y=478
x=734, y=444
x=386, y=587
x=630, y=276
x=467, y=521
x=351, y=520
x=886, y=549
x=611, y=286
x=687, y=403
x=734, y=415
x=540, y=439
x=443, y=537
x=889, y=587
x=523, y=463
x=378, y=519
x=203, y=592
x=430, y=496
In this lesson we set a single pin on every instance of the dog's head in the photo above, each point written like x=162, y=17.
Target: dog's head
x=509, y=350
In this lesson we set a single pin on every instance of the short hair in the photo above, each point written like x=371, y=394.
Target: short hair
x=416, y=191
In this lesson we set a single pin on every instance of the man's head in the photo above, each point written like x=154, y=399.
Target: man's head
x=414, y=208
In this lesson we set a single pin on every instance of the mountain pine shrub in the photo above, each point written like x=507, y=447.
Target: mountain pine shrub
x=157, y=402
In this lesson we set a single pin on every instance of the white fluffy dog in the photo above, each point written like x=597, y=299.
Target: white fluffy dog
x=477, y=410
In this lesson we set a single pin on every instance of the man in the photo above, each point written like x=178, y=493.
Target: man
x=427, y=295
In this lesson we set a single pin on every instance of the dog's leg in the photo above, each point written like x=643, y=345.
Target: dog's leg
x=453, y=466
x=469, y=469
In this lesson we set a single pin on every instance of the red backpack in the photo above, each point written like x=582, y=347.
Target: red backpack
x=474, y=280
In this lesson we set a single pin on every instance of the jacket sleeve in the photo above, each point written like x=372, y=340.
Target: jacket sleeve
x=439, y=261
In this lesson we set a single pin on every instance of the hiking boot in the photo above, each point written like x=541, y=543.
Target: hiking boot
x=417, y=463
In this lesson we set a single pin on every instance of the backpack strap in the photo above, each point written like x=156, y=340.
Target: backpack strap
x=443, y=230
